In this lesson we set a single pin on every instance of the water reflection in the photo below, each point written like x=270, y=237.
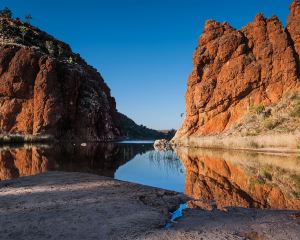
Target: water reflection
x=232, y=178
x=157, y=169
x=135, y=162
x=210, y=177
x=102, y=159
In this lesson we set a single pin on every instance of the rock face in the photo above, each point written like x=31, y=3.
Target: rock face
x=236, y=69
x=46, y=89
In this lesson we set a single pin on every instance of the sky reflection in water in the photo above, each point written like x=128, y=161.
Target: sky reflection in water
x=157, y=169
x=225, y=178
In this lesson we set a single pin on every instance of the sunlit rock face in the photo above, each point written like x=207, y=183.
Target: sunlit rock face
x=294, y=28
x=235, y=69
x=241, y=179
x=102, y=159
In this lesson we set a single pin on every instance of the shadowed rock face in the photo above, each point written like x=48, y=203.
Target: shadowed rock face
x=102, y=159
x=43, y=92
x=240, y=179
x=235, y=69
x=46, y=89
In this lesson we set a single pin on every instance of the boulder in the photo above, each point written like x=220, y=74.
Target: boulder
x=162, y=145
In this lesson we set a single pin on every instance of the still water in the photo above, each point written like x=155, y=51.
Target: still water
x=226, y=178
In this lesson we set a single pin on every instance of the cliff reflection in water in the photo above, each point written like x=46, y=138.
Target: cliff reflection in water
x=102, y=159
x=213, y=178
x=243, y=179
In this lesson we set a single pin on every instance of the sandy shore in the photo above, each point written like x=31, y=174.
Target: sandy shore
x=59, y=205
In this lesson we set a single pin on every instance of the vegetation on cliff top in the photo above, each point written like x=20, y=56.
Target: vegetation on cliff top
x=22, y=33
x=277, y=118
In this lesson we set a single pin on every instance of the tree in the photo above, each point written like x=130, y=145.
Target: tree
x=70, y=60
x=6, y=13
x=61, y=50
x=23, y=31
x=50, y=46
x=28, y=18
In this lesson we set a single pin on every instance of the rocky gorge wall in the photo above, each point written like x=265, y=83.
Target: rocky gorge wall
x=236, y=69
x=40, y=95
x=46, y=89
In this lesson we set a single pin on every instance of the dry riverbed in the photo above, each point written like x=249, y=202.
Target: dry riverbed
x=59, y=205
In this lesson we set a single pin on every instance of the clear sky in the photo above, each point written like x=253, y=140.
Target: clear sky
x=142, y=48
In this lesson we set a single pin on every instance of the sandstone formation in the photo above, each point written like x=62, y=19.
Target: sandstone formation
x=47, y=90
x=236, y=69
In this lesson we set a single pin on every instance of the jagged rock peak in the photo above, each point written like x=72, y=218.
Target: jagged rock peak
x=295, y=7
x=236, y=69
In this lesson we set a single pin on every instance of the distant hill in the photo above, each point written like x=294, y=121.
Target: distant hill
x=131, y=130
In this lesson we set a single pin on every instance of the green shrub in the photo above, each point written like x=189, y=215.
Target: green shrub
x=23, y=31
x=258, y=109
x=296, y=111
x=257, y=181
x=51, y=48
x=70, y=60
x=267, y=175
x=237, y=125
x=270, y=123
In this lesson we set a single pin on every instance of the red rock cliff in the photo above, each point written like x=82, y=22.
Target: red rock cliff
x=47, y=89
x=235, y=69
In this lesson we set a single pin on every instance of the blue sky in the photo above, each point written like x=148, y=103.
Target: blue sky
x=142, y=48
